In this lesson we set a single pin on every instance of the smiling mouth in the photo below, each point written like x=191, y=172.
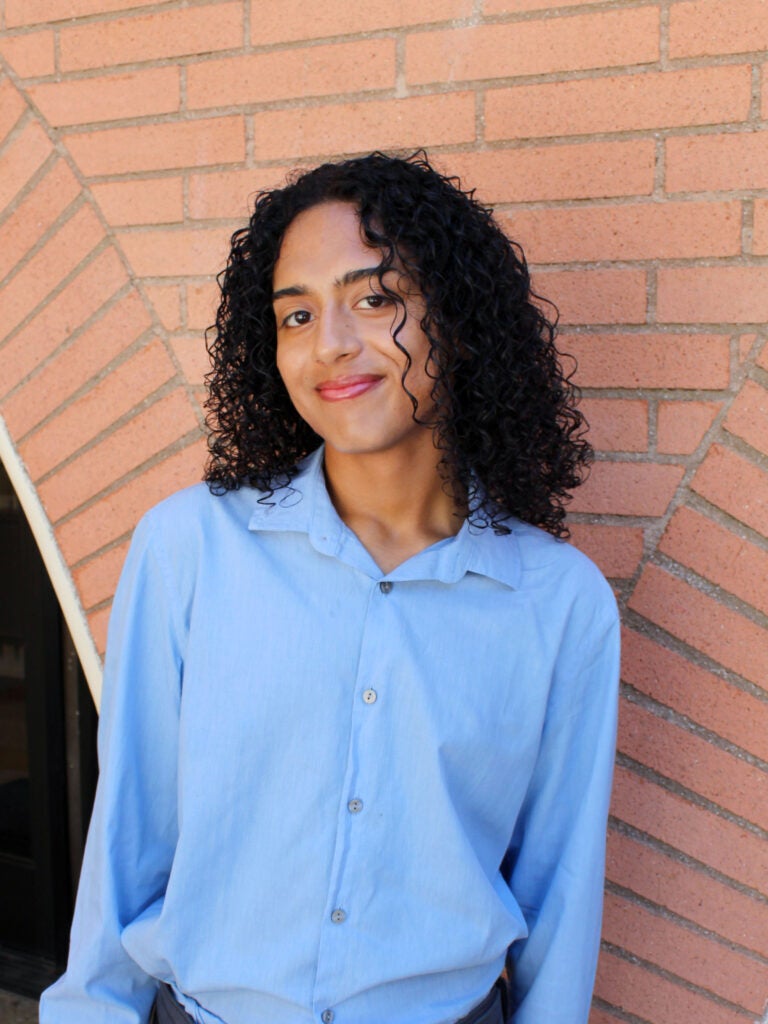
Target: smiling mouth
x=347, y=387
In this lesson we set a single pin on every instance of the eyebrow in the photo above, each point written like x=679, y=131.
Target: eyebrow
x=350, y=277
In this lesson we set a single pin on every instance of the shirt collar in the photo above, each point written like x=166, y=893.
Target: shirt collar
x=305, y=507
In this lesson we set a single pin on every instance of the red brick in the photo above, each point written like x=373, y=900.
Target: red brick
x=117, y=513
x=631, y=231
x=760, y=228
x=275, y=21
x=598, y=1015
x=96, y=579
x=616, y=550
x=650, y=360
x=719, y=555
x=35, y=215
x=202, y=302
x=708, y=838
x=706, y=624
x=716, y=27
x=123, y=389
x=627, y=489
x=310, y=71
x=613, y=38
x=682, y=425
x=231, y=193
x=693, y=762
x=193, y=358
x=108, y=97
x=157, y=36
x=72, y=242
x=155, y=147
x=29, y=12
x=617, y=424
x=150, y=431
x=683, y=952
x=666, y=99
x=520, y=6
x=31, y=54
x=647, y=995
x=65, y=373
x=595, y=296
x=762, y=358
x=141, y=201
x=358, y=127
x=713, y=163
x=748, y=416
x=735, y=485
x=62, y=316
x=24, y=155
x=586, y=170
x=12, y=106
x=687, y=891
x=165, y=299
x=713, y=294
x=176, y=251
x=717, y=705
x=744, y=344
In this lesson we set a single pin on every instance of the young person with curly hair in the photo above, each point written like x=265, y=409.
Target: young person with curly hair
x=359, y=712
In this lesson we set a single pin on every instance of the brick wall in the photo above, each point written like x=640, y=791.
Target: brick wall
x=623, y=144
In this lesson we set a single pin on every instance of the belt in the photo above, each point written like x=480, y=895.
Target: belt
x=168, y=1011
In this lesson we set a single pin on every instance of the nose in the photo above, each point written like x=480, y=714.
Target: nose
x=335, y=334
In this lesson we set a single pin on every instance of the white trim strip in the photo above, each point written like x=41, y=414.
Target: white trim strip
x=58, y=570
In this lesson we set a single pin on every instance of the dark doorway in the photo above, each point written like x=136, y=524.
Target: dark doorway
x=47, y=762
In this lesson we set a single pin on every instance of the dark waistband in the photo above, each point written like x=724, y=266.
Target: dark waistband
x=168, y=1011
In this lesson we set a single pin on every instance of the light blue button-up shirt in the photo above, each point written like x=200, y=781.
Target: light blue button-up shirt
x=332, y=794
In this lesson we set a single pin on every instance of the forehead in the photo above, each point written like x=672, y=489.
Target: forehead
x=324, y=237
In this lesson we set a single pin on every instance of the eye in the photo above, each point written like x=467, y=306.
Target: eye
x=375, y=301
x=297, y=318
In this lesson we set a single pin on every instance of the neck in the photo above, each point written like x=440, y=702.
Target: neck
x=396, y=502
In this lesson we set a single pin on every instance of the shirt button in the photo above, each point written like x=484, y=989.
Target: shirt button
x=338, y=916
x=385, y=586
x=355, y=806
x=369, y=696
x=327, y=1016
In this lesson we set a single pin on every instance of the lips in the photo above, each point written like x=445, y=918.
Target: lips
x=352, y=386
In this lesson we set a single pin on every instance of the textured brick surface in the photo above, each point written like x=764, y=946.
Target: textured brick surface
x=628, y=489
x=606, y=39
x=735, y=485
x=687, y=891
x=624, y=146
x=163, y=34
x=586, y=170
x=282, y=20
x=692, y=957
x=705, y=698
x=699, y=620
x=680, y=426
x=159, y=146
x=650, y=360
x=417, y=121
x=619, y=103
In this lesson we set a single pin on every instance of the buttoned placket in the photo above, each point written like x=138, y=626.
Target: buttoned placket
x=371, y=687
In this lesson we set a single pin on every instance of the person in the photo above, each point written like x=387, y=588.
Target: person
x=360, y=696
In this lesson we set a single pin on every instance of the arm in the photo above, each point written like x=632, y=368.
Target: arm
x=133, y=830
x=556, y=859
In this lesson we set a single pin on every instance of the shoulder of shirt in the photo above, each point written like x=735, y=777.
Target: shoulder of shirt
x=188, y=513
x=547, y=560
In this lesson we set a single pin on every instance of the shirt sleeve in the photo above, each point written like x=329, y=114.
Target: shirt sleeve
x=556, y=861
x=133, y=829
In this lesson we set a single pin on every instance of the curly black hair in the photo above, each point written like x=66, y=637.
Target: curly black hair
x=505, y=421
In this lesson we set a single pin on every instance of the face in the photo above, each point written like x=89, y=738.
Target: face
x=335, y=348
